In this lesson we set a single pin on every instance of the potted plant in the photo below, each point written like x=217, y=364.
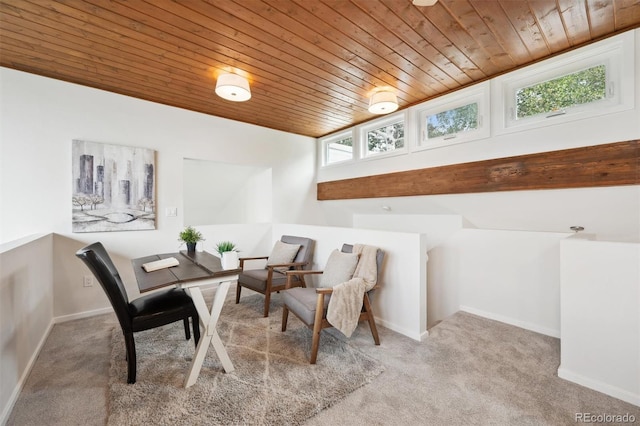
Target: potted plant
x=228, y=254
x=190, y=236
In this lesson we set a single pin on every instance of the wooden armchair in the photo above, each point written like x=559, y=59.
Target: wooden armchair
x=310, y=304
x=285, y=256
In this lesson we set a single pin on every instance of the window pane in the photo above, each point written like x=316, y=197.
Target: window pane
x=387, y=138
x=570, y=90
x=457, y=120
x=340, y=150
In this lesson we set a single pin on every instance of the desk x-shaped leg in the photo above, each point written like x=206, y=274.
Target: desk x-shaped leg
x=208, y=321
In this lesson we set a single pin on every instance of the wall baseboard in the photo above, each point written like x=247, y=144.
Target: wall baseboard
x=80, y=315
x=596, y=385
x=6, y=411
x=512, y=321
x=408, y=333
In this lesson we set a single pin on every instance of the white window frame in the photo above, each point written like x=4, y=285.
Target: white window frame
x=324, y=146
x=479, y=93
x=387, y=120
x=616, y=54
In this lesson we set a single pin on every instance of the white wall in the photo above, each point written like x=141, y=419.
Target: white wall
x=400, y=302
x=442, y=295
x=221, y=193
x=509, y=276
x=600, y=306
x=611, y=213
x=40, y=117
x=26, y=311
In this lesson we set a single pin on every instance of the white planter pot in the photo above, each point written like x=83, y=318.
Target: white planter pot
x=229, y=260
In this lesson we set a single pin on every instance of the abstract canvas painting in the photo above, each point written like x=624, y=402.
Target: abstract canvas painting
x=113, y=187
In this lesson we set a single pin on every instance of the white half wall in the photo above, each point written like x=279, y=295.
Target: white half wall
x=600, y=317
x=400, y=302
x=26, y=311
x=508, y=276
x=442, y=296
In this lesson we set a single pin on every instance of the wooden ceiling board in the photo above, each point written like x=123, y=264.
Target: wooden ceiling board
x=601, y=17
x=469, y=20
x=432, y=44
x=312, y=65
x=397, y=38
x=626, y=13
x=551, y=25
x=576, y=21
x=506, y=34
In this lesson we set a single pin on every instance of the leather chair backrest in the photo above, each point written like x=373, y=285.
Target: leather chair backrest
x=307, y=246
x=97, y=259
x=348, y=248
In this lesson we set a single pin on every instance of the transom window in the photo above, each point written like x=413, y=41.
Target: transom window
x=338, y=150
x=453, y=121
x=595, y=81
x=385, y=137
x=455, y=118
x=556, y=95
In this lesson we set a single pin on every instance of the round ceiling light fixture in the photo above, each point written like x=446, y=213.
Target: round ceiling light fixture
x=424, y=2
x=233, y=87
x=383, y=102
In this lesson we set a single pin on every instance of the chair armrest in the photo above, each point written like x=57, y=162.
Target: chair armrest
x=280, y=265
x=303, y=272
x=329, y=290
x=254, y=258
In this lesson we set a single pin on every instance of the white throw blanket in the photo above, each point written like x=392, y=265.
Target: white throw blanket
x=346, y=300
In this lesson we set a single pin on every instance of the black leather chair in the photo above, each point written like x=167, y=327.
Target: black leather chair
x=146, y=312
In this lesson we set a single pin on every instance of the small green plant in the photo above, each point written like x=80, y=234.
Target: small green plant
x=225, y=246
x=190, y=235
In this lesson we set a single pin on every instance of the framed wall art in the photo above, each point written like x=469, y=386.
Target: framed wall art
x=113, y=187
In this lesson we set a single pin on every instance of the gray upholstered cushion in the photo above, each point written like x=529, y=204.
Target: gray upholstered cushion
x=307, y=246
x=256, y=279
x=302, y=302
x=340, y=267
x=282, y=253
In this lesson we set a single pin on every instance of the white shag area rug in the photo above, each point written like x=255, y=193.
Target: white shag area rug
x=273, y=382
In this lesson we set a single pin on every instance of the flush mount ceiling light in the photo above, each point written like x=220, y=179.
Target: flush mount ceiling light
x=424, y=2
x=383, y=102
x=233, y=87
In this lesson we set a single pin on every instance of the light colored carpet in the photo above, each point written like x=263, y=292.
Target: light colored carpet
x=273, y=383
x=469, y=371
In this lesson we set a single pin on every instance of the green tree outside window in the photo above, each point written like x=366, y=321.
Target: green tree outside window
x=453, y=121
x=387, y=138
x=570, y=90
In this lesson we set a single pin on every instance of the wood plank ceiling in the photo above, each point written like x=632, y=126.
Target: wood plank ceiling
x=312, y=64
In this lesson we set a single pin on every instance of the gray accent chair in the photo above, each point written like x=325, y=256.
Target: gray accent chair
x=310, y=304
x=270, y=278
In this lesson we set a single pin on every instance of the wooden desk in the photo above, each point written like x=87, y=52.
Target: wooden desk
x=195, y=270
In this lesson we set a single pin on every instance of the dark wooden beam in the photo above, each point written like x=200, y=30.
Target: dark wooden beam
x=611, y=164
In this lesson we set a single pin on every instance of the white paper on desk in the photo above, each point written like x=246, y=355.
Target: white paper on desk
x=160, y=264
